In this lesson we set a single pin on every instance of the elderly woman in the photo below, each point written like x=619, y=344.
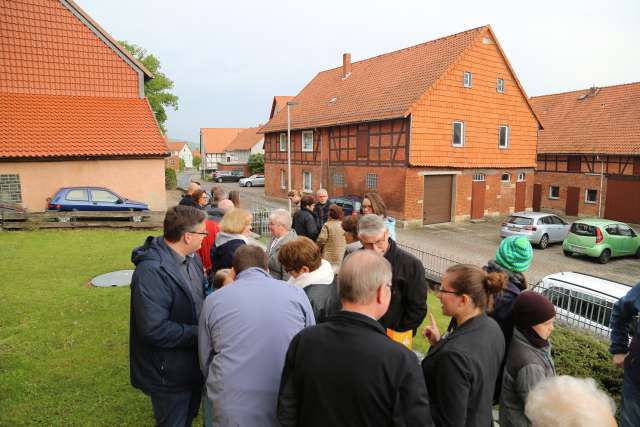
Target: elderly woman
x=201, y=199
x=372, y=203
x=304, y=221
x=235, y=229
x=281, y=233
x=331, y=238
x=302, y=259
x=461, y=370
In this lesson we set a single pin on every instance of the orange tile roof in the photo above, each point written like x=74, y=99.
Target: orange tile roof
x=245, y=140
x=607, y=122
x=382, y=87
x=215, y=140
x=74, y=126
x=175, y=145
x=279, y=102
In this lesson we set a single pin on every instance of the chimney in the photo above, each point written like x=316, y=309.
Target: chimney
x=346, y=65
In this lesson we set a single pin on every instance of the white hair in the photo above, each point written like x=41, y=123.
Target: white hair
x=569, y=401
x=226, y=205
x=361, y=274
x=282, y=217
x=370, y=225
x=322, y=191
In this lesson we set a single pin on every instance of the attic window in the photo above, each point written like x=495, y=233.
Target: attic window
x=487, y=40
x=333, y=100
x=467, y=79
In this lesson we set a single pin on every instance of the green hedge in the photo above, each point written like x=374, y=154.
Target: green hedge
x=580, y=354
x=170, y=179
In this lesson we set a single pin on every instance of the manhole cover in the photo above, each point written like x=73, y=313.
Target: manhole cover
x=115, y=278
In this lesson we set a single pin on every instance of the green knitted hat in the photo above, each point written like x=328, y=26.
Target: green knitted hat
x=515, y=254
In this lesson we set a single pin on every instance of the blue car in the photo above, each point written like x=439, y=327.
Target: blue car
x=350, y=205
x=92, y=199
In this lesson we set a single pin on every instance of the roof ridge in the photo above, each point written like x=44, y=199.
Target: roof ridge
x=581, y=90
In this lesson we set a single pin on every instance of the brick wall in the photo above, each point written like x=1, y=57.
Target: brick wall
x=231, y=167
x=564, y=180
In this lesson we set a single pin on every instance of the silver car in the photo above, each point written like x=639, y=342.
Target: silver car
x=252, y=181
x=539, y=227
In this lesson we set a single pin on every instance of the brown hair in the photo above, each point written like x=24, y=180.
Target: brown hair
x=307, y=201
x=197, y=194
x=350, y=225
x=247, y=256
x=234, y=196
x=478, y=284
x=377, y=204
x=294, y=193
x=335, y=212
x=297, y=253
x=220, y=276
x=181, y=219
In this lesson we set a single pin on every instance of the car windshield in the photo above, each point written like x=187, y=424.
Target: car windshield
x=581, y=229
x=519, y=220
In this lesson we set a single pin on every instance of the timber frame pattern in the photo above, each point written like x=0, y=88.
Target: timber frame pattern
x=613, y=164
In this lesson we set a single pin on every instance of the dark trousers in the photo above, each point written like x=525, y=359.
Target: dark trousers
x=176, y=409
x=630, y=405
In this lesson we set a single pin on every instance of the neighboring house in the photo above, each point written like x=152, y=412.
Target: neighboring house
x=181, y=149
x=173, y=162
x=72, y=109
x=236, y=155
x=443, y=131
x=279, y=102
x=589, y=153
x=213, y=142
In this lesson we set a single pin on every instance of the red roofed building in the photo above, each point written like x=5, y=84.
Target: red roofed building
x=180, y=150
x=236, y=155
x=279, y=102
x=72, y=109
x=443, y=131
x=213, y=142
x=589, y=153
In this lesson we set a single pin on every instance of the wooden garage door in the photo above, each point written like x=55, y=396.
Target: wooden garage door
x=436, y=204
x=537, y=197
x=623, y=199
x=573, y=201
x=521, y=192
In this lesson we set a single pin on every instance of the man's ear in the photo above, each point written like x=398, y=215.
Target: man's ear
x=380, y=294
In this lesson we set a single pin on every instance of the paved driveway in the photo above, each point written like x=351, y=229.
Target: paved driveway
x=477, y=243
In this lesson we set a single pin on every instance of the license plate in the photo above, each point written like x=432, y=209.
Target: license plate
x=513, y=228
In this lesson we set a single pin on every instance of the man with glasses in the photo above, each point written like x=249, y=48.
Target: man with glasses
x=408, y=306
x=167, y=292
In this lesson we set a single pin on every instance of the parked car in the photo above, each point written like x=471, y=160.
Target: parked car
x=350, y=205
x=602, y=239
x=252, y=181
x=583, y=300
x=539, y=227
x=92, y=199
x=227, y=176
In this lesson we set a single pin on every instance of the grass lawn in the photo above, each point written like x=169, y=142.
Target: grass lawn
x=64, y=357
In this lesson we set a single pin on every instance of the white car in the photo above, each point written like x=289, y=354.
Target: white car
x=539, y=227
x=252, y=181
x=583, y=300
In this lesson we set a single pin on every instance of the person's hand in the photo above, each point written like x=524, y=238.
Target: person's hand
x=618, y=360
x=431, y=332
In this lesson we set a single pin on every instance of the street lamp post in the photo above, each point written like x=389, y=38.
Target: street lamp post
x=289, y=105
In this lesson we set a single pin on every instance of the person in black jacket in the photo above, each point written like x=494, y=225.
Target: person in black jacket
x=187, y=198
x=167, y=292
x=235, y=229
x=321, y=208
x=347, y=372
x=408, y=306
x=304, y=221
x=461, y=368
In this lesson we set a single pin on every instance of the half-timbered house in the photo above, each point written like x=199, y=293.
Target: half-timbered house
x=589, y=153
x=443, y=131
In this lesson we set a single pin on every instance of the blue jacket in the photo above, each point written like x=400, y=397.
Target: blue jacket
x=622, y=317
x=163, y=326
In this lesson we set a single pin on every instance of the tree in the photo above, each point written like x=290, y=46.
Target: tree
x=182, y=165
x=256, y=163
x=170, y=179
x=197, y=161
x=157, y=89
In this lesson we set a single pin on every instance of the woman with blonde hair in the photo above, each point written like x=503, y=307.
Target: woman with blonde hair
x=235, y=229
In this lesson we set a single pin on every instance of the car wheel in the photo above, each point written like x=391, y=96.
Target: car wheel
x=544, y=242
x=248, y=184
x=605, y=256
x=219, y=179
x=638, y=253
x=136, y=218
x=63, y=219
x=566, y=252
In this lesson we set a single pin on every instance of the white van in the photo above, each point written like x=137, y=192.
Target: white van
x=583, y=300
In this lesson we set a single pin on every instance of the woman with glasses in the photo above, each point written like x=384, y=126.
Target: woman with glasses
x=461, y=367
x=372, y=203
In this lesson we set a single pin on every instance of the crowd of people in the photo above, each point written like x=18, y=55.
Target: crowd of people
x=302, y=333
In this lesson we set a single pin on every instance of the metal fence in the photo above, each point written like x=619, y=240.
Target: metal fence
x=260, y=219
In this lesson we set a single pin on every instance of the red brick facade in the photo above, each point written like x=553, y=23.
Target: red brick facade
x=228, y=167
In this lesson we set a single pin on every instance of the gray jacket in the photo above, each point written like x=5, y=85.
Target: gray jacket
x=275, y=268
x=526, y=366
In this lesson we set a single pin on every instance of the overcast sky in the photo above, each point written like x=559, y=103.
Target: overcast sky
x=229, y=58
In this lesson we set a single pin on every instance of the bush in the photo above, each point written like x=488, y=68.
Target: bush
x=580, y=354
x=256, y=163
x=182, y=165
x=170, y=179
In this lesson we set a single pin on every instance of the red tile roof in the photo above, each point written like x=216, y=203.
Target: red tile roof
x=382, y=87
x=279, y=102
x=215, y=140
x=605, y=121
x=75, y=126
x=245, y=140
x=175, y=145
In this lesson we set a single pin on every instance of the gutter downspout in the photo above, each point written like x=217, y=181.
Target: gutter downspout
x=601, y=182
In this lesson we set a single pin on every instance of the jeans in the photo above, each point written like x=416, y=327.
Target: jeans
x=630, y=407
x=176, y=409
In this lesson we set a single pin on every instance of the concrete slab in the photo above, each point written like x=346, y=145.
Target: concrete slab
x=115, y=278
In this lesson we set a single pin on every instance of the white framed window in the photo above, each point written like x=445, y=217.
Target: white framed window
x=283, y=142
x=503, y=136
x=506, y=177
x=457, y=134
x=522, y=177
x=307, y=182
x=479, y=177
x=554, y=192
x=307, y=141
x=500, y=85
x=467, y=79
x=283, y=179
x=338, y=179
x=590, y=196
x=371, y=180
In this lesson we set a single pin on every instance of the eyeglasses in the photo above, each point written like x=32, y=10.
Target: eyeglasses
x=439, y=290
x=203, y=233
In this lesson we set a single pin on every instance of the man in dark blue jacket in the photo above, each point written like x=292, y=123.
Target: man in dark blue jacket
x=167, y=292
x=627, y=356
